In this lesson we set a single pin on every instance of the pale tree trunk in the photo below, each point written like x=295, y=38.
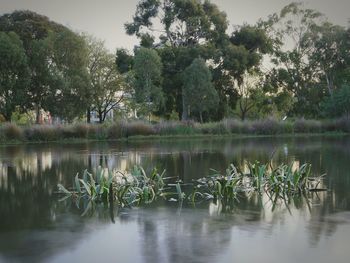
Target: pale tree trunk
x=184, y=116
x=201, y=117
x=37, y=114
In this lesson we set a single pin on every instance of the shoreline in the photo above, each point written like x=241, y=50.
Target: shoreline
x=141, y=138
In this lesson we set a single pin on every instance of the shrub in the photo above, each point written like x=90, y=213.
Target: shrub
x=176, y=128
x=167, y=128
x=43, y=133
x=116, y=131
x=10, y=131
x=212, y=128
x=81, y=130
x=342, y=125
x=233, y=126
x=138, y=128
x=286, y=127
x=266, y=127
x=307, y=126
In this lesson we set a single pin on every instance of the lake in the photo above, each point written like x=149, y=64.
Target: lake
x=35, y=226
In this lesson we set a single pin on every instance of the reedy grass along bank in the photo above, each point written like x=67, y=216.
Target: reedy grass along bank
x=124, y=129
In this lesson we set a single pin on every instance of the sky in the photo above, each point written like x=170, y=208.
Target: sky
x=105, y=18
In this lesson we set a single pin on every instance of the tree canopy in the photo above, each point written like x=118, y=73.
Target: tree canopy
x=187, y=53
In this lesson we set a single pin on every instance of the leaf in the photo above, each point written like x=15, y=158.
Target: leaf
x=64, y=198
x=87, y=209
x=86, y=186
x=77, y=184
x=62, y=189
x=85, y=174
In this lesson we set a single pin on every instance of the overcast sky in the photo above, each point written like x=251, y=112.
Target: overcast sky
x=105, y=18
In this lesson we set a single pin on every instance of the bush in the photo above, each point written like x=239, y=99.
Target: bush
x=81, y=130
x=138, y=128
x=10, y=131
x=176, y=128
x=307, y=126
x=341, y=125
x=213, y=128
x=116, y=131
x=266, y=127
x=43, y=133
x=233, y=126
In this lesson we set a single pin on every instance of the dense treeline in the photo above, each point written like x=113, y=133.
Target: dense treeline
x=194, y=67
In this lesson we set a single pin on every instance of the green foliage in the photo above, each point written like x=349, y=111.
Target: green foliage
x=282, y=182
x=338, y=105
x=57, y=61
x=195, y=29
x=136, y=187
x=46, y=66
x=313, y=63
x=129, y=189
x=71, y=58
x=14, y=75
x=28, y=26
x=147, y=69
x=198, y=91
x=124, y=130
x=124, y=61
x=107, y=88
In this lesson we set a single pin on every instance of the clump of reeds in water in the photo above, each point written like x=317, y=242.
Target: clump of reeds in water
x=137, y=187
x=127, y=189
x=280, y=182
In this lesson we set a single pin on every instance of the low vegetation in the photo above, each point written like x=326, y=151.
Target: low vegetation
x=124, y=130
x=137, y=188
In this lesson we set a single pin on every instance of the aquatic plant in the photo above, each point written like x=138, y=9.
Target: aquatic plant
x=137, y=187
x=126, y=189
x=281, y=182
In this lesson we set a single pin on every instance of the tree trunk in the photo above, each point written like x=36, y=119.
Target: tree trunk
x=88, y=115
x=7, y=116
x=329, y=85
x=201, y=116
x=100, y=116
x=37, y=114
x=184, y=116
x=243, y=113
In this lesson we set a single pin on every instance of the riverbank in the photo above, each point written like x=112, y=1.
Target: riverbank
x=11, y=133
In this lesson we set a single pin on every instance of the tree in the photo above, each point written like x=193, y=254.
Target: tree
x=148, y=69
x=184, y=23
x=44, y=75
x=188, y=29
x=199, y=93
x=192, y=29
x=13, y=74
x=57, y=60
x=292, y=32
x=107, y=85
x=331, y=47
x=247, y=89
x=338, y=105
x=70, y=96
x=29, y=26
x=124, y=61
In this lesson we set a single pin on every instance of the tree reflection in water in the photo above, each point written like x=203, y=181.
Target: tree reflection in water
x=35, y=226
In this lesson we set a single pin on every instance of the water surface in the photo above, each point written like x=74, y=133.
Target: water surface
x=36, y=227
